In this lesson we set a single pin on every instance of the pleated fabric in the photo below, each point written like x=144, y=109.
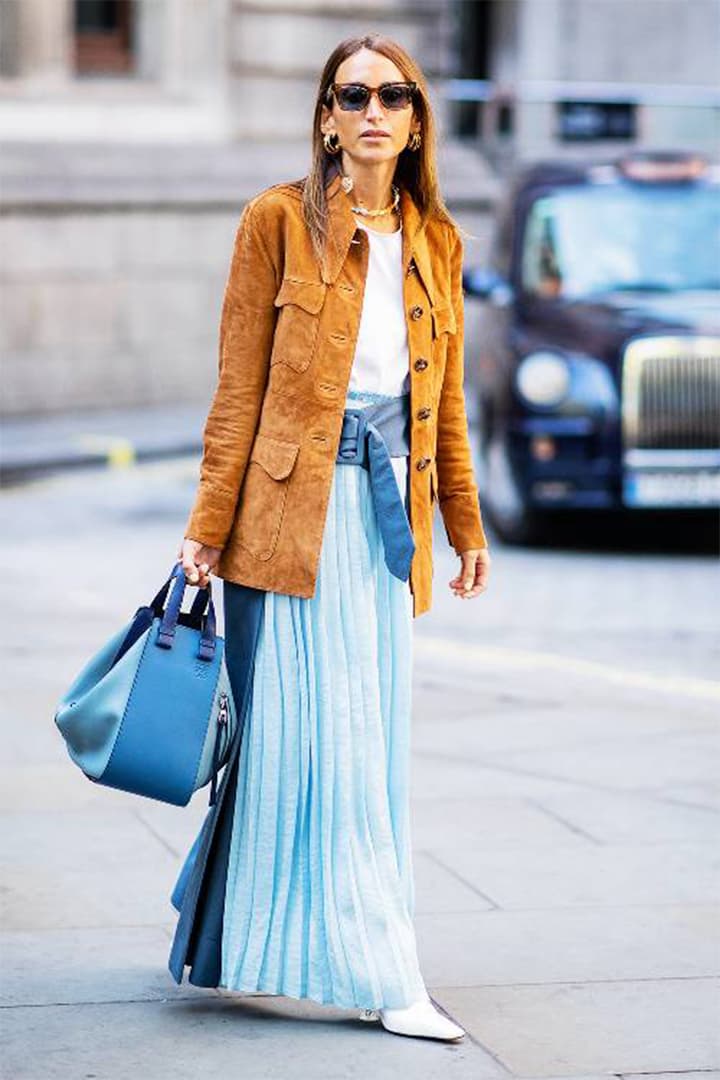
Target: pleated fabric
x=319, y=898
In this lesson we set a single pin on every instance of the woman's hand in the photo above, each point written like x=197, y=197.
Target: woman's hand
x=198, y=561
x=474, y=573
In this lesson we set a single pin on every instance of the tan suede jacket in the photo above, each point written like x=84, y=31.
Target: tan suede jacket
x=287, y=340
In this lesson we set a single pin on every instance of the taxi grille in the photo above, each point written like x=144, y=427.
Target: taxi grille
x=671, y=393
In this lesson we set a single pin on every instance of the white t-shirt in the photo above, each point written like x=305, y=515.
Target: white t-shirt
x=381, y=363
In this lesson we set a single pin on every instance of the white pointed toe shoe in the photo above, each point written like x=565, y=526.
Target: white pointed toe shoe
x=421, y=1019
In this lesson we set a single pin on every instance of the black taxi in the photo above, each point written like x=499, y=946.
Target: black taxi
x=595, y=357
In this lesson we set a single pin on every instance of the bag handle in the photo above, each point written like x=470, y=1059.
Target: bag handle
x=198, y=605
x=158, y=601
x=168, y=622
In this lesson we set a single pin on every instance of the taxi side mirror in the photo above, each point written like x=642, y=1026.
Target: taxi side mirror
x=487, y=285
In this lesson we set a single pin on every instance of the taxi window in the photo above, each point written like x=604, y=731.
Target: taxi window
x=581, y=242
x=540, y=267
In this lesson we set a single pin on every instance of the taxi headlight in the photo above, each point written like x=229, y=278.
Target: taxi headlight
x=543, y=378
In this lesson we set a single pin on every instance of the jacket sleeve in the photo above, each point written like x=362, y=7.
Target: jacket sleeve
x=247, y=326
x=457, y=491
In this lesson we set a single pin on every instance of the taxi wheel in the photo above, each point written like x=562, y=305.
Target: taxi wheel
x=503, y=502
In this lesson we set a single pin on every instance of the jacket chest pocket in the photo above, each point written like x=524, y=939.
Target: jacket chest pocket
x=298, y=323
x=443, y=325
x=264, y=493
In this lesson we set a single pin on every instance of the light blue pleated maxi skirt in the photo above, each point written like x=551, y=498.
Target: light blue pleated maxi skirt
x=319, y=898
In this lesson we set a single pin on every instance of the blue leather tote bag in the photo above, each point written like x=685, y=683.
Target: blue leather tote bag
x=152, y=712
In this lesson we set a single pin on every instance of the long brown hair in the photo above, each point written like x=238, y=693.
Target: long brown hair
x=416, y=169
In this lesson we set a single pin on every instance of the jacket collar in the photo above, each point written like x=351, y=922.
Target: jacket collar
x=342, y=227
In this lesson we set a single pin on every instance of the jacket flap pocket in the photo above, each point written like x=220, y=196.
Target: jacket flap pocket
x=443, y=319
x=309, y=295
x=276, y=456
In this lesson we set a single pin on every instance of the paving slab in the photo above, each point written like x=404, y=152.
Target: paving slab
x=705, y=1074
x=694, y=794
x=60, y=785
x=215, y=1034
x=615, y=1027
x=526, y=716
x=75, y=966
x=43, y=786
x=634, y=764
x=439, y=890
x=445, y=776
x=581, y=944
x=487, y=824
x=622, y=817
x=616, y=877
x=65, y=869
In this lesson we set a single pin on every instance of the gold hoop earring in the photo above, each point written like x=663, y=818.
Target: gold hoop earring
x=331, y=141
x=414, y=141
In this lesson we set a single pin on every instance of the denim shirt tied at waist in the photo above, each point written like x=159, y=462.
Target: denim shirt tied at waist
x=370, y=436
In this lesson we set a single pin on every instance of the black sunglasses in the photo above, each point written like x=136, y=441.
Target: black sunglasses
x=353, y=97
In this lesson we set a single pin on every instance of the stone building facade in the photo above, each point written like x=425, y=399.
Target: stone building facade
x=133, y=130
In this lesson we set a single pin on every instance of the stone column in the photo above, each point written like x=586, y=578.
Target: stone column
x=37, y=40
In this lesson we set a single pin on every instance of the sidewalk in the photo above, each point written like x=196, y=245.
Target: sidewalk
x=564, y=824
x=37, y=445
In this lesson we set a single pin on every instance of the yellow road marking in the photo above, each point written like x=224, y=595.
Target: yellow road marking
x=120, y=452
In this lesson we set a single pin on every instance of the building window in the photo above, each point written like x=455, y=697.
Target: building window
x=473, y=50
x=583, y=121
x=104, y=37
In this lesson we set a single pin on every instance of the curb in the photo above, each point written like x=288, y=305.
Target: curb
x=122, y=453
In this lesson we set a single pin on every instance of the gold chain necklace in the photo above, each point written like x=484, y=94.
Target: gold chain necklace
x=386, y=210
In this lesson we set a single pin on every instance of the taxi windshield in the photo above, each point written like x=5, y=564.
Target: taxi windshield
x=581, y=242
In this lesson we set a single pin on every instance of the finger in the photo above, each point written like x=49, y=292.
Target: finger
x=483, y=574
x=464, y=593
x=190, y=569
x=468, y=575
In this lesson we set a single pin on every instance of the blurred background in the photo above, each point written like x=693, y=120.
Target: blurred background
x=565, y=764
x=133, y=130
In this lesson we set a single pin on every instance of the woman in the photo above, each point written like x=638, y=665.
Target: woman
x=340, y=345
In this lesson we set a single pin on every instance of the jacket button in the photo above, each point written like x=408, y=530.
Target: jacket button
x=420, y=364
x=416, y=311
x=424, y=413
x=422, y=463
x=411, y=267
